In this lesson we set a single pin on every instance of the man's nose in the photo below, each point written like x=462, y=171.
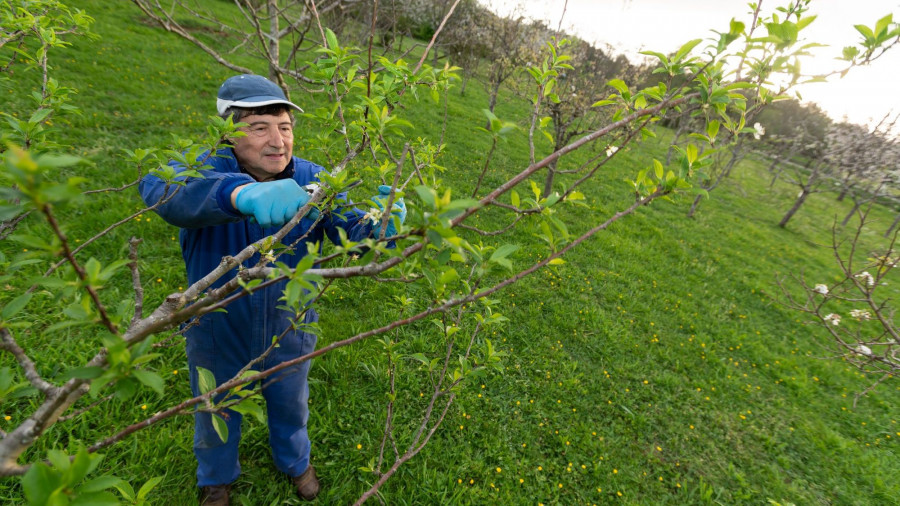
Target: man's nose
x=275, y=138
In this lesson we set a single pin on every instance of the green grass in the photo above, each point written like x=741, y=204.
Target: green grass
x=654, y=364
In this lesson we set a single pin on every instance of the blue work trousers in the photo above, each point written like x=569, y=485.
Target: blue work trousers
x=224, y=351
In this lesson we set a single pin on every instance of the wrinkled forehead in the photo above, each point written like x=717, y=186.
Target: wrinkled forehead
x=268, y=119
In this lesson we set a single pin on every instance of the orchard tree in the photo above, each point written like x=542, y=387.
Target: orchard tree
x=855, y=320
x=459, y=272
x=514, y=43
x=850, y=159
x=869, y=166
x=784, y=149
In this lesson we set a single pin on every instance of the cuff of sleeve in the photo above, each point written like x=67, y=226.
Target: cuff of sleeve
x=223, y=196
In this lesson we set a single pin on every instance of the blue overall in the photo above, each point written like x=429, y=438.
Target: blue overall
x=224, y=342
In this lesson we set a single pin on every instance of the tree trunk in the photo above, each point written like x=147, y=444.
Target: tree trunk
x=856, y=204
x=797, y=203
x=487, y=164
x=548, y=182
x=696, y=203
x=893, y=225
x=774, y=178
x=845, y=189
x=495, y=90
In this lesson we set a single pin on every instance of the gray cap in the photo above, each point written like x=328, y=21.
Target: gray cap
x=249, y=91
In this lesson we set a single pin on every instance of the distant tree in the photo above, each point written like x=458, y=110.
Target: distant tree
x=514, y=43
x=853, y=159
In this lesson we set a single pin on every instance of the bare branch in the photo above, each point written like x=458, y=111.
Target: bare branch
x=8, y=343
x=136, y=280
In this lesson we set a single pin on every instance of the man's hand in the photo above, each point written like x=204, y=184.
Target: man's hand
x=398, y=210
x=272, y=204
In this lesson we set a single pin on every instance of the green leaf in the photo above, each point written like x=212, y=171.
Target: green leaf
x=601, y=103
x=331, y=38
x=206, y=380
x=8, y=212
x=865, y=31
x=147, y=487
x=882, y=24
x=39, y=115
x=101, y=483
x=220, y=426
x=804, y=22
x=619, y=85
x=39, y=483
x=15, y=305
x=427, y=195
x=151, y=379
x=504, y=251
x=250, y=407
x=575, y=195
x=95, y=499
x=514, y=197
x=685, y=49
x=712, y=129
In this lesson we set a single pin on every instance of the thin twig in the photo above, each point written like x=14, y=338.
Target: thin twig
x=8, y=343
x=136, y=280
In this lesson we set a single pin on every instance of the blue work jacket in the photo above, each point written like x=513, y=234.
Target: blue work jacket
x=212, y=228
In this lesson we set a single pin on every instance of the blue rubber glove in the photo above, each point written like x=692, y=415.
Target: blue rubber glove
x=398, y=210
x=274, y=203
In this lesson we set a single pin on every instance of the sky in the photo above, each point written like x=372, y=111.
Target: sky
x=864, y=95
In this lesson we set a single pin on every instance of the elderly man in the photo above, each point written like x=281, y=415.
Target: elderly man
x=256, y=176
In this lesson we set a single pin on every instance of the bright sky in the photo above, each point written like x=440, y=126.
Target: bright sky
x=664, y=25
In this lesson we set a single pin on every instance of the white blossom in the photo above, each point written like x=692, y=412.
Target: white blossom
x=611, y=150
x=860, y=314
x=832, y=318
x=374, y=215
x=820, y=288
x=866, y=278
x=864, y=350
x=760, y=131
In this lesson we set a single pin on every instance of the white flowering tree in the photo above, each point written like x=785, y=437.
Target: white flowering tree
x=850, y=159
x=459, y=269
x=855, y=319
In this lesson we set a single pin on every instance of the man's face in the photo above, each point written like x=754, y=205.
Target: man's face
x=266, y=149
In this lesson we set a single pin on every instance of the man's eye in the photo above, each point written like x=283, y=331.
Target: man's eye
x=258, y=130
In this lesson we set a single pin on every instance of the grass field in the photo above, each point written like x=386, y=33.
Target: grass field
x=653, y=367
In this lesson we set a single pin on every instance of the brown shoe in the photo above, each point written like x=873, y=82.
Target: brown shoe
x=307, y=484
x=215, y=495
